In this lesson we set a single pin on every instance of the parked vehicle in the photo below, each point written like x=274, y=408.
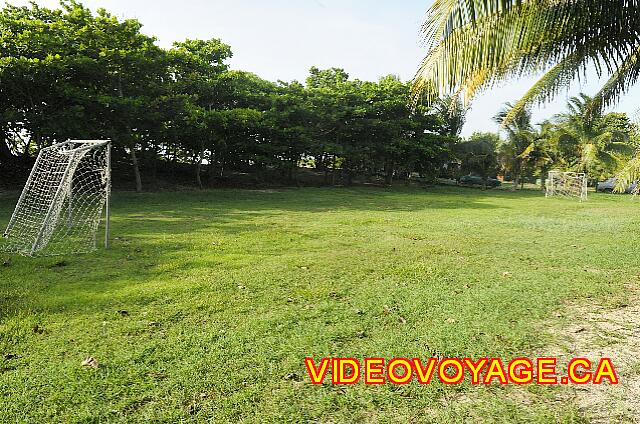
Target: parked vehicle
x=609, y=185
x=473, y=180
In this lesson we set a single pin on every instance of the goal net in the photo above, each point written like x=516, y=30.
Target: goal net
x=567, y=184
x=63, y=200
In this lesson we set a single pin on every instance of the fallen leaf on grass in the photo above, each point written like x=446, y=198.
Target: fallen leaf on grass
x=157, y=375
x=293, y=377
x=90, y=363
x=386, y=309
x=506, y=274
x=451, y=320
x=401, y=320
x=193, y=408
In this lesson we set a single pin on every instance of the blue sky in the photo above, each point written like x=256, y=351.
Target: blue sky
x=282, y=39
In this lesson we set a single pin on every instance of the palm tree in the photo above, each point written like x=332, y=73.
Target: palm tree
x=545, y=154
x=631, y=170
x=589, y=144
x=473, y=44
x=453, y=114
x=515, y=152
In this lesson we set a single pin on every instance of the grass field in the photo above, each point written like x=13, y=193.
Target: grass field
x=207, y=303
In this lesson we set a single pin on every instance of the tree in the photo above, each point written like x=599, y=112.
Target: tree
x=453, y=114
x=196, y=67
x=593, y=143
x=473, y=44
x=631, y=170
x=71, y=73
x=68, y=73
x=515, y=151
x=478, y=155
x=288, y=122
x=544, y=153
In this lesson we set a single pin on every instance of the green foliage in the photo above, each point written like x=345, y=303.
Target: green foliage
x=69, y=73
x=581, y=140
x=516, y=151
x=453, y=114
x=473, y=44
x=478, y=155
x=592, y=142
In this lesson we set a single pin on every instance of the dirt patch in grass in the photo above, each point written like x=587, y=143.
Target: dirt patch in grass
x=595, y=331
x=585, y=328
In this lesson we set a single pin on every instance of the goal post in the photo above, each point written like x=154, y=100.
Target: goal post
x=61, y=206
x=566, y=184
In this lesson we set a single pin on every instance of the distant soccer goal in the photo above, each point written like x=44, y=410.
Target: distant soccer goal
x=63, y=201
x=567, y=184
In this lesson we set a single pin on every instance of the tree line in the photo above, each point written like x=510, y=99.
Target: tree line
x=182, y=113
x=69, y=73
x=581, y=139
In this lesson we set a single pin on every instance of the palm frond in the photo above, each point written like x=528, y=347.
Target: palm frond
x=548, y=86
x=472, y=44
x=624, y=77
x=628, y=174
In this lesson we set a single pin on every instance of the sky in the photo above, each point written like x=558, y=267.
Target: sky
x=282, y=39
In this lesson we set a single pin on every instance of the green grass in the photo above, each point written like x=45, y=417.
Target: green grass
x=227, y=291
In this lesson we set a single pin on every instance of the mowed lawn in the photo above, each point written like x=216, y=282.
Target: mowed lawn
x=208, y=302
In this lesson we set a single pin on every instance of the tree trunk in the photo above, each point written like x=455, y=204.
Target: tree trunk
x=516, y=182
x=388, y=173
x=294, y=173
x=136, y=167
x=5, y=153
x=326, y=173
x=212, y=172
x=198, y=170
x=408, y=179
x=132, y=147
x=199, y=167
x=346, y=173
x=333, y=171
x=516, y=177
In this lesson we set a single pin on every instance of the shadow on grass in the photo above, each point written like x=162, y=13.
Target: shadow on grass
x=149, y=230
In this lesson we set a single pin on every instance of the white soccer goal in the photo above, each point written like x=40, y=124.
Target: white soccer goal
x=567, y=184
x=63, y=200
